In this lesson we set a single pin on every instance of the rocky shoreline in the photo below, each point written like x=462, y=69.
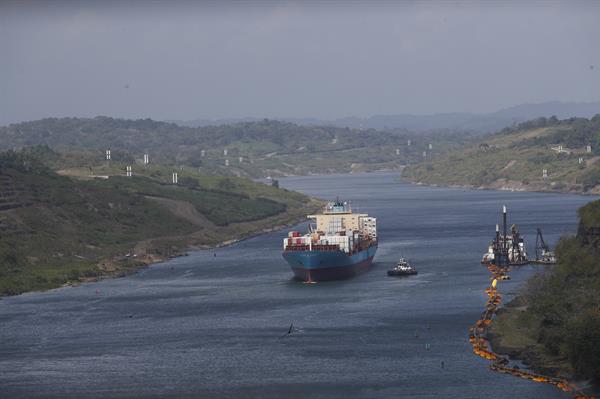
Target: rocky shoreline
x=508, y=185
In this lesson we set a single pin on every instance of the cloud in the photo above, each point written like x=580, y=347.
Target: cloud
x=267, y=59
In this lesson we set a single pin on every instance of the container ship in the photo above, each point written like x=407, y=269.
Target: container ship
x=338, y=245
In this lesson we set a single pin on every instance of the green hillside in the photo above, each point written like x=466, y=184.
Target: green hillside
x=55, y=229
x=515, y=159
x=266, y=148
x=555, y=323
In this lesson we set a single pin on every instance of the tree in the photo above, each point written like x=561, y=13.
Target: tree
x=583, y=342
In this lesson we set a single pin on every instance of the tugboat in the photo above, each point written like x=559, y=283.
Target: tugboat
x=403, y=268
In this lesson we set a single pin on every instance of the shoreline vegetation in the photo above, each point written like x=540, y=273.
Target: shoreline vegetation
x=553, y=324
x=545, y=155
x=122, y=266
x=61, y=225
x=506, y=186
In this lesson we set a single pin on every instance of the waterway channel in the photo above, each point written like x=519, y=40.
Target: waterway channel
x=212, y=326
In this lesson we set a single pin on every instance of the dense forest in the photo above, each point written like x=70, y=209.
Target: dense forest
x=255, y=149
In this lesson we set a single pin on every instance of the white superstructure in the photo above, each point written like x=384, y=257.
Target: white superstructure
x=336, y=226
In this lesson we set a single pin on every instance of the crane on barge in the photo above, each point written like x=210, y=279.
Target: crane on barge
x=543, y=253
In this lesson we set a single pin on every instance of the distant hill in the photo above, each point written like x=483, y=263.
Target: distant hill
x=481, y=123
x=255, y=149
x=515, y=159
x=69, y=226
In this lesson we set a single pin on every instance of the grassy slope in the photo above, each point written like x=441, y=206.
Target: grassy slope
x=55, y=229
x=267, y=147
x=555, y=323
x=515, y=160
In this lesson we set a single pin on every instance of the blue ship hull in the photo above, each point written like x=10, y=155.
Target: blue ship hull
x=328, y=265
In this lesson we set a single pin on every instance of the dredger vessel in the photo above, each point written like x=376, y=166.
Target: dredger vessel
x=506, y=249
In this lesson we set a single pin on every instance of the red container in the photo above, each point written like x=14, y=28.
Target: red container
x=298, y=241
x=295, y=234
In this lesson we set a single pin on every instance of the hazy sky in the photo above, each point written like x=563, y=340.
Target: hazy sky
x=186, y=60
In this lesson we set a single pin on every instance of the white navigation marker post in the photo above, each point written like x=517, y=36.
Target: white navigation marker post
x=128, y=171
x=504, y=241
x=108, y=155
x=588, y=149
x=174, y=177
x=146, y=159
x=430, y=146
x=424, y=154
x=225, y=152
x=227, y=162
x=202, y=153
x=408, y=143
x=580, y=160
x=544, y=173
x=241, y=159
x=397, y=151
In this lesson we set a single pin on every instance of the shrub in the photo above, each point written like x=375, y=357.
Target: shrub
x=583, y=344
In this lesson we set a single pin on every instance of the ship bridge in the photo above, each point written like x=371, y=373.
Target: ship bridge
x=337, y=208
x=337, y=216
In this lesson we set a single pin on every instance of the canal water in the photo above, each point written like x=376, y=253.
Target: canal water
x=212, y=327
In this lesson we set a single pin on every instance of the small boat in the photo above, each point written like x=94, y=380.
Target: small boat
x=403, y=268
